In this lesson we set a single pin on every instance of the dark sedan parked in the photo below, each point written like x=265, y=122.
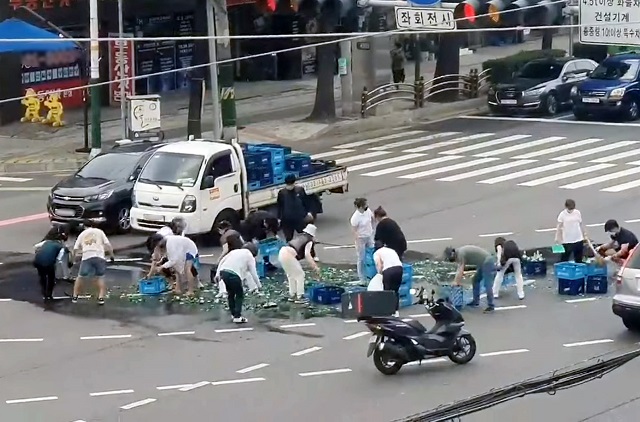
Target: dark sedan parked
x=100, y=191
x=542, y=85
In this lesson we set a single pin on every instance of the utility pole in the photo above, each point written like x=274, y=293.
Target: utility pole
x=227, y=89
x=94, y=91
x=123, y=92
x=213, y=70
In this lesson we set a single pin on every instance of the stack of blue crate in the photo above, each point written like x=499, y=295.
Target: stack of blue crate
x=406, y=299
x=298, y=164
x=369, y=264
x=571, y=278
x=597, y=281
x=265, y=164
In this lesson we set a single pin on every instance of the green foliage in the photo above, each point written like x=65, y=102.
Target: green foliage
x=502, y=69
x=590, y=51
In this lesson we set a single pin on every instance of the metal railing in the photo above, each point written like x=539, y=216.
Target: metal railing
x=454, y=87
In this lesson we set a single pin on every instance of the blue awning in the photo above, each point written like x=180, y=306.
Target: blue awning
x=20, y=30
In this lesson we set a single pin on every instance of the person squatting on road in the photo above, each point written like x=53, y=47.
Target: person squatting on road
x=388, y=264
x=362, y=222
x=47, y=256
x=236, y=266
x=508, y=258
x=389, y=233
x=570, y=232
x=294, y=210
x=60, y=232
x=230, y=240
x=470, y=255
x=93, y=245
x=290, y=255
x=182, y=257
x=622, y=242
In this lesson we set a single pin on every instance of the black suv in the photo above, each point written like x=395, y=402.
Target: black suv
x=100, y=191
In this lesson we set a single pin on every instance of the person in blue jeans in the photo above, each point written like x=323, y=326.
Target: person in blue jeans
x=485, y=265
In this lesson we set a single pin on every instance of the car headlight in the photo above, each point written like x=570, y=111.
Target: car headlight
x=574, y=90
x=617, y=93
x=188, y=204
x=99, y=197
x=534, y=92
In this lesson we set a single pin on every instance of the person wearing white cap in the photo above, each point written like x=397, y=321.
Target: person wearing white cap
x=290, y=256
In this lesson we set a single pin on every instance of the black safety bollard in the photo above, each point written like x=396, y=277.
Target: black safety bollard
x=363, y=102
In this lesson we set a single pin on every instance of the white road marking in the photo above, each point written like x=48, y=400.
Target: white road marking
x=25, y=189
x=527, y=172
x=520, y=146
x=252, y=368
x=588, y=343
x=636, y=220
x=360, y=157
x=385, y=161
x=194, y=386
x=485, y=170
x=14, y=179
x=586, y=299
x=420, y=315
x=305, y=324
x=307, y=351
x=447, y=169
x=487, y=144
x=328, y=372
x=623, y=186
x=542, y=120
x=116, y=336
x=567, y=174
x=233, y=330
x=618, y=156
x=339, y=247
x=509, y=308
x=357, y=335
x=378, y=139
x=5, y=300
x=545, y=230
x=451, y=142
x=435, y=239
x=31, y=400
x=562, y=147
x=605, y=177
x=591, y=151
x=137, y=404
x=417, y=164
x=350, y=321
x=177, y=333
x=69, y=297
x=21, y=340
x=503, y=352
x=496, y=234
x=595, y=225
x=173, y=387
x=331, y=153
x=414, y=141
x=426, y=361
x=110, y=393
x=240, y=381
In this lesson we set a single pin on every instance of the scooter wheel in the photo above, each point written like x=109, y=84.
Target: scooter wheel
x=385, y=364
x=464, y=350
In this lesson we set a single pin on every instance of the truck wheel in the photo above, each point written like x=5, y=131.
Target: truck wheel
x=229, y=215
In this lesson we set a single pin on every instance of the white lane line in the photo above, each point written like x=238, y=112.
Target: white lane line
x=137, y=404
x=420, y=315
x=350, y=321
x=240, y=381
x=562, y=147
x=110, y=393
x=451, y=142
x=518, y=147
x=619, y=156
x=496, y=234
x=357, y=335
x=623, y=186
x=586, y=299
x=567, y=174
x=338, y=247
x=360, y=157
x=5, y=300
x=545, y=230
x=426, y=361
x=252, y=368
x=503, y=352
x=194, y=386
x=110, y=337
x=177, y=333
x=305, y=324
x=378, y=139
x=384, y=162
x=595, y=225
x=543, y=120
x=31, y=400
x=605, y=177
x=69, y=297
x=435, y=239
x=330, y=153
x=14, y=179
x=328, y=372
x=412, y=141
x=486, y=170
x=307, y=351
x=636, y=220
x=407, y=319
x=487, y=144
x=411, y=166
x=21, y=340
x=591, y=151
x=447, y=169
x=588, y=343
x=173, y=387
x=527, y=172
x=509, y=308
x=233, y=330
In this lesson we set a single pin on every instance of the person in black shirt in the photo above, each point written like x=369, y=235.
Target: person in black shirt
x=389, y=233
x=622, y=242
x=259, y=225
x=294, y=210
x=45, y=262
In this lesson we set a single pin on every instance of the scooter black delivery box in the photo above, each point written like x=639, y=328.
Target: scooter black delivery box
x=371, y=304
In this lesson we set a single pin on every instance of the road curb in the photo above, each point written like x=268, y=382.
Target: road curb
x=25, y=165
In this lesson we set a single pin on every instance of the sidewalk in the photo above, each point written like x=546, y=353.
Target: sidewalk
x=269, y=110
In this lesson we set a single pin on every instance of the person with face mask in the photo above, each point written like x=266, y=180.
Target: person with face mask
x=622, y=242
x=293, y=209
x=290, y=256
x=389, y=233
x=362, y=222
x=570, y=232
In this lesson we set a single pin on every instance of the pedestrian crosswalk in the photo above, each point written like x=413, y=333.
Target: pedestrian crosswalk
x=522, y=159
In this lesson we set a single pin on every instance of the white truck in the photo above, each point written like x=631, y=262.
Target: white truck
x=205, y=182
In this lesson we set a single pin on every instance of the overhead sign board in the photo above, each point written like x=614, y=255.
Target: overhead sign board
x=423, y=2
x=420, y=18
x=610, y=22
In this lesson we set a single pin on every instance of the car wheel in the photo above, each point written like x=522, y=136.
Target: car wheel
x=631, y=324
x=633, y=112
x=551, y=105
x=122, y=223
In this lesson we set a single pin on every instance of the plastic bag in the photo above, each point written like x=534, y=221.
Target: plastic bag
x=375, y=285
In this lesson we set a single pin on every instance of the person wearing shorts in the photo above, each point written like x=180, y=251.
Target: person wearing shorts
x=181, y=258
x=93, y=245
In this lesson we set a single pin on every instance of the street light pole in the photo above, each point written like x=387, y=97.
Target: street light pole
x=123, y=91
x=213, y=71
x=94, y=91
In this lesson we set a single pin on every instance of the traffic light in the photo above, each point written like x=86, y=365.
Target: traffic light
x=267, y=6
x=467, y=13
x=332, y=13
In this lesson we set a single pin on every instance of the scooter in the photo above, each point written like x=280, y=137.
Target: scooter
x=396, y=342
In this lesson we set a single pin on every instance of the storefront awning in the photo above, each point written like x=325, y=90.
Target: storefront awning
x=16, y=29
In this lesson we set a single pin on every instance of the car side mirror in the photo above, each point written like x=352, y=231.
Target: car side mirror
x=208, y=182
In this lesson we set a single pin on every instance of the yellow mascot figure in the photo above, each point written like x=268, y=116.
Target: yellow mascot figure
x=32, y=104
x=56, y=110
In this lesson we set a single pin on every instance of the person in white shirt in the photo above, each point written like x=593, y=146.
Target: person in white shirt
x=362, y=222
x=570, y=232
x=93, y=245
x=291, y=254
x=389, y=265
x=181, y=258
x=236, y=266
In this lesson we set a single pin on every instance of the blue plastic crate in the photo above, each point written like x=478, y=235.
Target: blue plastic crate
x=278, y=168
x=368, y=256
x=597, y=284
x=254, y=186
x=508, y=281
x=370, y=271
x=300, y=163
x=534, y=268
x=569, y=287
x=406, y=301
x=286, y=149
x=407, y=274
x=570, y=271
x=278, y=180
x=593, y=269
x=456, y=295
x=275, y=153
x=404, y=290
x=260, y=269
x=152, y=286
x=309, y=288
x=269, y=247
x=255, y=159
x=327, y=295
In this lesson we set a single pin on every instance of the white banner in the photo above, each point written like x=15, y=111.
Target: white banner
x=612, y=22
x=419, y=18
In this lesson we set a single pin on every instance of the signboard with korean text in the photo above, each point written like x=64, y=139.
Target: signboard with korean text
x=59, y=70
x=63, y=13
x=610, y=22
x=420, y=18
x=121, y=52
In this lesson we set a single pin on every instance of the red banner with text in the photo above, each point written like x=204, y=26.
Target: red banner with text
x=121, y=65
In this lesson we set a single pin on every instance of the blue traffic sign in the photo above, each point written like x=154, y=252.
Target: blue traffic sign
x=423, y=2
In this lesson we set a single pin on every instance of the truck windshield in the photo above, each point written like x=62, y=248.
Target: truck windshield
x=173, y=169
x=612, y=70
